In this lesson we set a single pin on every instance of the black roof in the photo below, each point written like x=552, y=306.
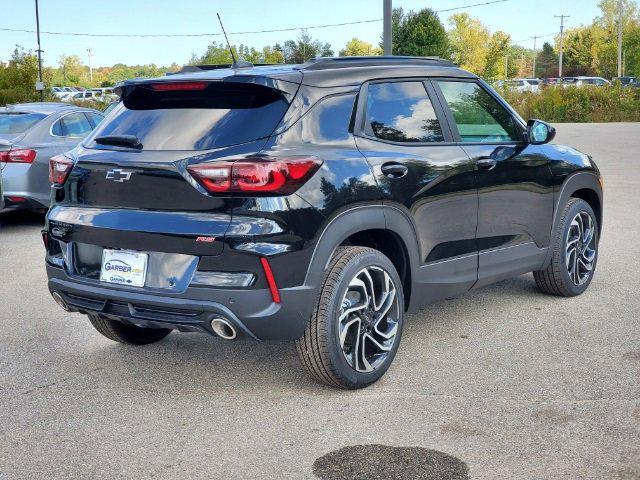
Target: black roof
x=324, y=71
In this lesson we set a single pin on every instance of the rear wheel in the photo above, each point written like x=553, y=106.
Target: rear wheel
x=355, y=329
x=575, y=252
x=129, y=334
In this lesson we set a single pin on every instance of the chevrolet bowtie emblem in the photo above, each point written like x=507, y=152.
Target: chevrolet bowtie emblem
x=118, y=175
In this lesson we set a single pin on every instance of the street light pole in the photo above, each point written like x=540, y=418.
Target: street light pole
x=39, y=53
x=535, y=54
x=561, y=17
x=619, y=38
x=386, y=28
x=89, y=55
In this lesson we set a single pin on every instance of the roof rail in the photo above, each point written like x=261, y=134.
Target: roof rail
x=326, y=63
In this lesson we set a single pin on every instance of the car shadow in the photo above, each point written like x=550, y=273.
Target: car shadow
x=199, y=364
x=11, y=218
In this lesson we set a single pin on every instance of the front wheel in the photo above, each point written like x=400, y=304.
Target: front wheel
x=575, y=252
x=355, y=329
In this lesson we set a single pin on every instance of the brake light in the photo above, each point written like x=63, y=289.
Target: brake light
x=21, y=155
x=267, y=175
x=172, y=87
x=59, y=168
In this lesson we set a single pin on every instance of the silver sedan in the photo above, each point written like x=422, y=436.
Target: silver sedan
x=30, y=134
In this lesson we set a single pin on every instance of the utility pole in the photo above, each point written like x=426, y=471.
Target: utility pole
x=386, y=27
x=561, y=17
x=619, y=38
x=39, y=84
x=90, y=55
x=535, y=54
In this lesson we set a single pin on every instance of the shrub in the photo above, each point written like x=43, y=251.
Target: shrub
x=578, y=104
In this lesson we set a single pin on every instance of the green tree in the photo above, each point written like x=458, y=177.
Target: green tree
x=547, y=62
x=356, y=47
x=497, y=57
x=420, y=34
x=469, y=40
x=18, y=77
x=71, y=71
x=304, y=48
x=583, y=47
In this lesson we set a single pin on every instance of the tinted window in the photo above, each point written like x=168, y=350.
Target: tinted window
x=478, y=116
x=218, y=116
x=18, y=122
x=401, y=112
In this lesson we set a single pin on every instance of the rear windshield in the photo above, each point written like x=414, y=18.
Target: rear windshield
x=220, y=115
x=18, y=122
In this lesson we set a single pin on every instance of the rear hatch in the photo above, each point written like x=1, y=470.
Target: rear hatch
x=137, y=194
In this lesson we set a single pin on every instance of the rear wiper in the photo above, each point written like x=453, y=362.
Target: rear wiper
x=130, y=141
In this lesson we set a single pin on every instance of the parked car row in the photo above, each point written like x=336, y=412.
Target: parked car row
x=71, y=94
x=534, y=84
x=30, y=135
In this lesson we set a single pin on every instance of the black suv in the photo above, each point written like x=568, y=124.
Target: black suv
x=315, y=203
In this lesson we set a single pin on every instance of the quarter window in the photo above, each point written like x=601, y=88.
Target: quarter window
x=72, y=125
x=401, y=112
x=478, y=116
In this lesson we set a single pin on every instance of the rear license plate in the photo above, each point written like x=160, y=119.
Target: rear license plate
x=124, y=267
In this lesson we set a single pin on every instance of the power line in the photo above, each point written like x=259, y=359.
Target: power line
x=274, y=30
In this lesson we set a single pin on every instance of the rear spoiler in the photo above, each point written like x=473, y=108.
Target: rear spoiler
x=287, y=87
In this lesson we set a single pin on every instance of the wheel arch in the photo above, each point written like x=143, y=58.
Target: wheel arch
x=382, y=227
x=583, y=185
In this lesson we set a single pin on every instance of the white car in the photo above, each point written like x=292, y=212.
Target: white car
x=580, y=81
x=102, y=95
x=522, y=84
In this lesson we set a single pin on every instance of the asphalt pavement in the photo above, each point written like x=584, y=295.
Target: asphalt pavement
x=502, y=383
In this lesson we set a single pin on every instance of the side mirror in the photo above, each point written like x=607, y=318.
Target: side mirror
x=539, y=132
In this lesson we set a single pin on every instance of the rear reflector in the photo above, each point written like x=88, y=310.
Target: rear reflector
x=59, y=168
x=266, y=175
x=21, y=155
x=172, y=87
x=16, y=199
x=271, y=281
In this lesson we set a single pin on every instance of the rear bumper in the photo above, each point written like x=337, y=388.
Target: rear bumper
x=252, y=311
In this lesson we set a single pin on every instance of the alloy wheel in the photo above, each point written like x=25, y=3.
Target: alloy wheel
x=581, y=248
x=368, y=319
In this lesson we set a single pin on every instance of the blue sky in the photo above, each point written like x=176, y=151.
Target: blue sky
x=520, y=18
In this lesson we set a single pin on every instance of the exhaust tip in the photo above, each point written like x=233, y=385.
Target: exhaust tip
x=60, y=301
x=223, y=328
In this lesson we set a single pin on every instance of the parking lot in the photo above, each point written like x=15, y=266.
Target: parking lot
x=507, y=382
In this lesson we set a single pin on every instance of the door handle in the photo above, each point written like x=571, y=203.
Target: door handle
x=486, y=163
x=394, y=170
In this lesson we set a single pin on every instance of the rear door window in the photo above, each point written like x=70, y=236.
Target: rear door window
x=218, y=115
x=479, y=117
x=401, y=112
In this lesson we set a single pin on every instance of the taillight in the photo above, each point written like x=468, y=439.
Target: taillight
x=59, y=168
x=21, y=155
x=266, y=175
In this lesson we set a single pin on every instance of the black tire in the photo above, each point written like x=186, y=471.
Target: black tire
x=555, y=279
x=129, y=334
x=319, y=348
